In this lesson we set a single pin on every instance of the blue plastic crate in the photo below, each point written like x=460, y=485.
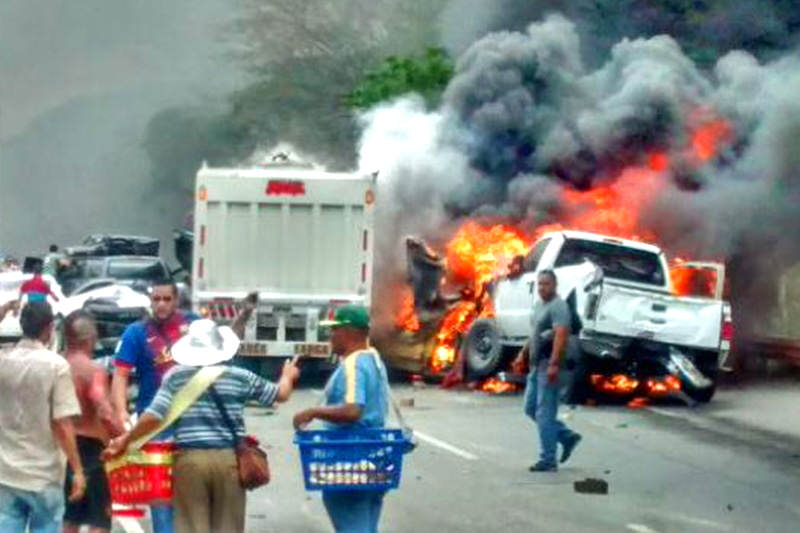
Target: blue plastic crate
x=362, y=459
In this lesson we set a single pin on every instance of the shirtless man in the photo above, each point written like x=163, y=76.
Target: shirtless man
x=93, y=428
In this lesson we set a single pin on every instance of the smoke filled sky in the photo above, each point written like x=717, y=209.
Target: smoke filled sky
x=52, y=51
x=527, y=123
x=78, y=83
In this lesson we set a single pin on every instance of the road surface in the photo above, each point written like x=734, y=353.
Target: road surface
x=669, y=469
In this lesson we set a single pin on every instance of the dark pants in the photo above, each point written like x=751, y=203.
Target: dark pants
x=95, y=507
x=354, y=511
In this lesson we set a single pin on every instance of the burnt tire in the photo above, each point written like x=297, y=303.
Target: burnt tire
x=482, y=349
x=702, y=395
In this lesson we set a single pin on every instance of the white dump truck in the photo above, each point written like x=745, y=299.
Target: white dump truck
x=635, y=333
x=301, y=237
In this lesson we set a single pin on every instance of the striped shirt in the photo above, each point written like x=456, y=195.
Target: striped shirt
x=201, y=425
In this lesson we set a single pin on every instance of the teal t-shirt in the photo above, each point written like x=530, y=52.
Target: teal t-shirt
x=360, y=379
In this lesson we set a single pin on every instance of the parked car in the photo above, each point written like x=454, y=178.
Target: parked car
x=104, y=245
x=137, y=272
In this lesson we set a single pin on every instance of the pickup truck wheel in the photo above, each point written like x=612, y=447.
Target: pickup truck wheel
x=482, y=348
x=702, y=395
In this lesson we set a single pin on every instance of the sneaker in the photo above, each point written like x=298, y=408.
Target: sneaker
x=543, y=467
x=569, y=446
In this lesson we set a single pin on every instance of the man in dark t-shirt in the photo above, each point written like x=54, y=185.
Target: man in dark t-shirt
x=550, y=326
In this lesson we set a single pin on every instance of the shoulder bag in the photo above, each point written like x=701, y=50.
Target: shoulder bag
x=251, y=460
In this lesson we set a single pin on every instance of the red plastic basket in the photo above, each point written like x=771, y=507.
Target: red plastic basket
x=142, y=476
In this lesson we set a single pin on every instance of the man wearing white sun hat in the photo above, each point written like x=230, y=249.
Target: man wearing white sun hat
x=207, y=494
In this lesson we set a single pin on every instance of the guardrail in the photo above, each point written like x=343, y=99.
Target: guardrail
x=783, y=349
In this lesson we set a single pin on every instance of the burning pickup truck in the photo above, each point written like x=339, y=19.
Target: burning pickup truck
x=638, y=336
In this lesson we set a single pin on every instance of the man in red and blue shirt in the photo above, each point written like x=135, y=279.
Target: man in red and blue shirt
x=145, y=347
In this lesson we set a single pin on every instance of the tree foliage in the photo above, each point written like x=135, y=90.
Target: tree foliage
x=427, y=75
x=304, y=58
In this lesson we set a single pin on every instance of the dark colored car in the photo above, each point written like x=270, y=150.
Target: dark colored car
x=105, y=245
x=138, y=272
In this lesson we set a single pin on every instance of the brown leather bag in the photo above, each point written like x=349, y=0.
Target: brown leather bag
x=251, y=460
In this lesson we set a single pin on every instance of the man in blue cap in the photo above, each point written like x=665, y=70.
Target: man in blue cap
x=356, y=397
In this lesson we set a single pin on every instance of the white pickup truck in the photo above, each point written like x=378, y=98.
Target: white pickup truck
x=300, y=237
x=636, y=334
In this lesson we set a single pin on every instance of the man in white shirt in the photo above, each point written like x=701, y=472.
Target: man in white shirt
x=36, y=429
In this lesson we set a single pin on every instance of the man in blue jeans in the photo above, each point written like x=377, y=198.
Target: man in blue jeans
x=356, y=397
x=551, y=322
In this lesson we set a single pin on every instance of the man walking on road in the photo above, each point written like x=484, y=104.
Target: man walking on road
x=93, y=429
x=356, y=397
x=35, y=427
x=551, y=322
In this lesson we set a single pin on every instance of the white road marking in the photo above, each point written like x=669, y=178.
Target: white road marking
x=445, y=446
x=668, y=413
x=129, y=525
x=640, y=528
x=709, y=524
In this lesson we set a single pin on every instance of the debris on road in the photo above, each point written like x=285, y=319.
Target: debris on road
x=406, y=402
x=591, y=486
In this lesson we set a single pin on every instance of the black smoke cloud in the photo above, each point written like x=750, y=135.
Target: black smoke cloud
x=525, y=118
x=707, y=28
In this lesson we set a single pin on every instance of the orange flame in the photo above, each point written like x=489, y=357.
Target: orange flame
x=475, y=256
x=659, y=388
x=495, y=386
x=693, y=281
x=614, y=209
x=478, y=255
x=616, y=384
x=407, y=317
x=709, y=137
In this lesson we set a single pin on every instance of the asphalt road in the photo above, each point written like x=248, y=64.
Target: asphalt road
x=670, y=469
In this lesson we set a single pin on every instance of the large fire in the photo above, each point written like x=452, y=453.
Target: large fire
x=475, y=256
x=478, y=254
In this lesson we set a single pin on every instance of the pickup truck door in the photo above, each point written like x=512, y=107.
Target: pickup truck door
x=633, y=312
x=513, y=299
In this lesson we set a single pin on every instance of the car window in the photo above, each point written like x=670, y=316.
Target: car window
x=77, y=272
x=535, y=255
x=137, y=269
x=93, y=286
x=617, y=262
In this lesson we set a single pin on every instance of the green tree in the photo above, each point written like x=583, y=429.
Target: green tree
x=427, y=75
